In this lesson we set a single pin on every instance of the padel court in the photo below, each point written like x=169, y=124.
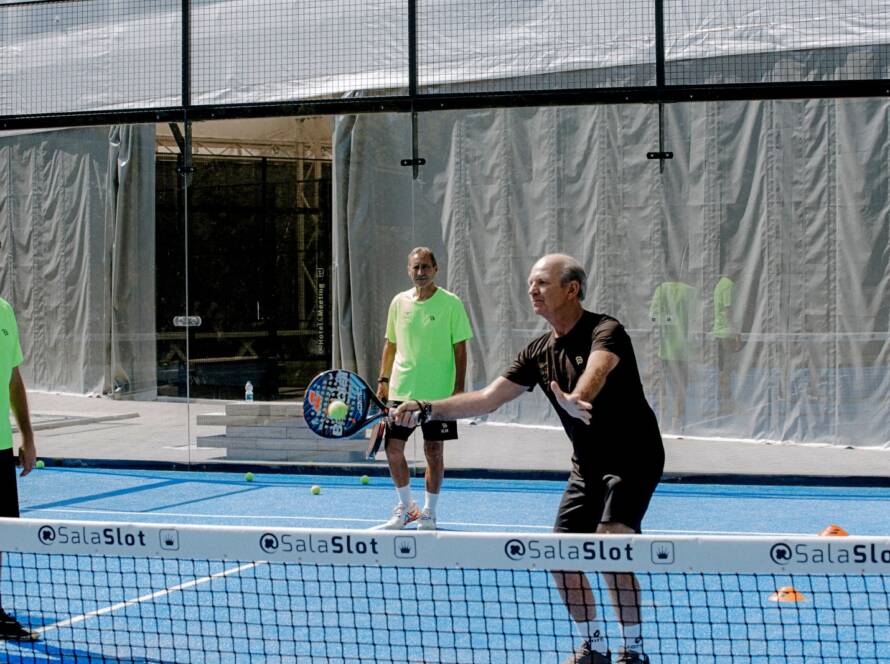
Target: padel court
x=187, y=606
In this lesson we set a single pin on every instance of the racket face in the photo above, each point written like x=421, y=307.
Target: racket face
x=339, y=385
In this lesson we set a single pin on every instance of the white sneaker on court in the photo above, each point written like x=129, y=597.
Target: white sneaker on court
x=401, y=517
x=427, y=521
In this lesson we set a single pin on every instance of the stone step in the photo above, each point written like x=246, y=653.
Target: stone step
x=221, y=420
x=247, y=442
x=211, y=441
x=240, y=425
x=296, y=455
x=265, y=408
x=281, y=449
x=275, y=431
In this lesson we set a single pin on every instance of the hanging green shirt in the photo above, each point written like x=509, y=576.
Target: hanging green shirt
x=671, y=310
x=723, y=328
x=10, y=357
x=424, y=333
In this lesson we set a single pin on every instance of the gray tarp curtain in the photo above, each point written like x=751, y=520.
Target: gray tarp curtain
x=753, y=273
x=77, y=219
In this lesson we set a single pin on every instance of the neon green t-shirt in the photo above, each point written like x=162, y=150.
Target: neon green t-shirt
x=10, y=357
x=723, y=328
x=671, y=309
x=424, y=333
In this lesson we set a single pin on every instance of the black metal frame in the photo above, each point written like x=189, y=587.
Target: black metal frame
x=415, y=102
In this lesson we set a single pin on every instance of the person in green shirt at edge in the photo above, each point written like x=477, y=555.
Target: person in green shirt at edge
x=671, y=310
x=16, y=397
x=729, y=341
x=424, y=357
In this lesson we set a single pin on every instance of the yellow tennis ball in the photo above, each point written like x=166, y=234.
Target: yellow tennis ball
x=315, y=489
x=337, y=410
x=248, y=476
x=39, y=463
x=364, y=479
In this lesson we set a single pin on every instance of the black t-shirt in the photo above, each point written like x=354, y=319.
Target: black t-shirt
x=623, y=433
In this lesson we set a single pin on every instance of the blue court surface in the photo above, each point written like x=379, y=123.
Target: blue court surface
x=219, y=622
x=467, y=505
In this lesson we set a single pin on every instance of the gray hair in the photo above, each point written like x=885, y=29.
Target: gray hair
x=572, y=271
x=423, y=250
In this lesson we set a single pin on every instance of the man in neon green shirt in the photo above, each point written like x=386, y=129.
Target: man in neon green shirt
x=424, y=357
x=15, y=396
x=728, y=339
x=671, y=310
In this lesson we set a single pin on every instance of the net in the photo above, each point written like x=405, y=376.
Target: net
x=146, y=592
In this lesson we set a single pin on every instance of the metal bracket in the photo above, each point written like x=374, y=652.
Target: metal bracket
x=186, y=321
x=659, y=155
x=419, y=161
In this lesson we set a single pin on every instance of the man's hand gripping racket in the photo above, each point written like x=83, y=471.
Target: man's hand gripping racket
x=363, y=408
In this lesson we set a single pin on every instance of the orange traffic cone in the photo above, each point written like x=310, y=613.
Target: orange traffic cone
x=833, y=531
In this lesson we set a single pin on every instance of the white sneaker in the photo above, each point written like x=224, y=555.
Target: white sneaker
x=427, y=521
x=401, y=517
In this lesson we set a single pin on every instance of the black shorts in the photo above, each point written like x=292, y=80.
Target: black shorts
x=9, y=494
x=434, y=430
x=598, y=499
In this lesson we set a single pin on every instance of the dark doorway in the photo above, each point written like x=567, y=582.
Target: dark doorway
x=259, y=250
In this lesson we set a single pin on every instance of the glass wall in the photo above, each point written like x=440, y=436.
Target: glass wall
x=150, y=290
x=81, y=271
x=260, y=255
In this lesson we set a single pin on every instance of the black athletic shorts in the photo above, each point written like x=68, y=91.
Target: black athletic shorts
x=598, y=499
x=9, y=493
x=434, y=430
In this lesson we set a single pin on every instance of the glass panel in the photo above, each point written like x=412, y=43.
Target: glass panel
x=80, y=271
x=757, y=311
x=260, y=241
x=260, y=255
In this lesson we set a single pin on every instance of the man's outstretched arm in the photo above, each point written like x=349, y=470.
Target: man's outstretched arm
x=468, y=404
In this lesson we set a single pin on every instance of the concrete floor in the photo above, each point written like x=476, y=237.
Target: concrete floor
x=90, y=428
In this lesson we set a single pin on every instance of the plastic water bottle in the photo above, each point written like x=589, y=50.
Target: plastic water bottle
x=248, y=391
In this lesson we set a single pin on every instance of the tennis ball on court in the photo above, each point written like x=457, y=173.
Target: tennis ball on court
x=248, y=476
x=39, y=463
x=364, y=479
x=337, y=410
x=315, y=489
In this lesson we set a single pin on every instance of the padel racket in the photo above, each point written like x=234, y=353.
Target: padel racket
x=363, y=406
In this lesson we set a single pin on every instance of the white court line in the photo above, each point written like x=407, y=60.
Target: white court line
x=252, y=518
x=509, y=527
x=146, y=598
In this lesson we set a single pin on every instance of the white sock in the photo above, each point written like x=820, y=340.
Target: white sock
x=595, y=633
x=430, y=501
x=405, y=495
x=633, y=637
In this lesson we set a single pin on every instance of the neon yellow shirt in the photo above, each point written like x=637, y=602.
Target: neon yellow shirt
x=424, y=333
x=10, y=357
x=671, y=309
x=722, y=301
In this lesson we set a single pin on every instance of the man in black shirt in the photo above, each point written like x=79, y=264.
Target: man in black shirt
x=586, y=366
